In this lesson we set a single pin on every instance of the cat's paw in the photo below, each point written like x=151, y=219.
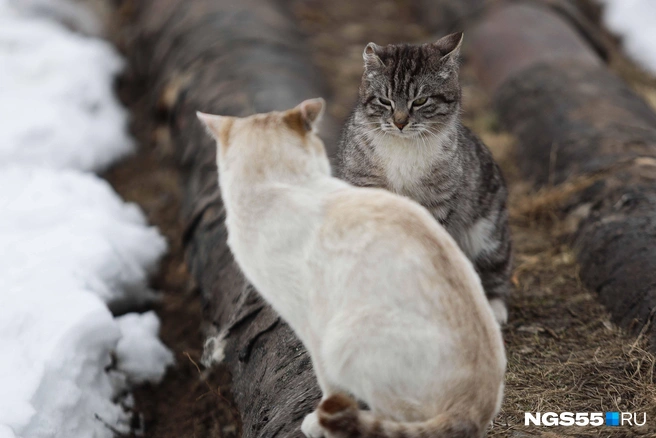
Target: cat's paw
x=500, y=310
x=311, y=427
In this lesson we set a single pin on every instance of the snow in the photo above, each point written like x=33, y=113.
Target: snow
x=79, y=15
x=71, y=248
x=634, y=21
x=109, y=248
x=57, y=92
x=139, y=353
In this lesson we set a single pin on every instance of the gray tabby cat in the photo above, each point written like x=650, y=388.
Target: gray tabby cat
x=405, y=135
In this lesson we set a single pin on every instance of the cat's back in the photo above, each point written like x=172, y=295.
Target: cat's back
x=380, y=214
x=374, y=224
x=404, y=282
x=378, y=231
x=374, y=212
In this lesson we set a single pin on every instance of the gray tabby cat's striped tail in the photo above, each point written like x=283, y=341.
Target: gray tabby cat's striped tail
x=340, y=417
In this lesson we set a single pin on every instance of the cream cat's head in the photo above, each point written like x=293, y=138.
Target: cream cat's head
x=270, y=144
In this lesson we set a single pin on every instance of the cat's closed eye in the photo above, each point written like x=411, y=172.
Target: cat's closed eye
x=443, y=99
x=384, y=101
x=420, y=101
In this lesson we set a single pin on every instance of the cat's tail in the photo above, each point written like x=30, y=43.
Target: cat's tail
x=340, y=417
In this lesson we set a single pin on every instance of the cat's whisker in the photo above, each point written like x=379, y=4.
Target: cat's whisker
x=371, y=131
x=423, y=139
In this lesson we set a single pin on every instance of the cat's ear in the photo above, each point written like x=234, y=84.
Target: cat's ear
x=312, y=110
x=306, y=115
x=449, y=46
x=216, y=126
x=447, y=54
x=370, y=56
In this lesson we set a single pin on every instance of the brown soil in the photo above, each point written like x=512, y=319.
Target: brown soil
x=564, y=354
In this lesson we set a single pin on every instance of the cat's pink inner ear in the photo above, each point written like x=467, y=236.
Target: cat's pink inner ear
x=311, y=111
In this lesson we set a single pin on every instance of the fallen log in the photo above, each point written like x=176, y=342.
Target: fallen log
x=573, y=119
x=230, y=58
x=447, y=16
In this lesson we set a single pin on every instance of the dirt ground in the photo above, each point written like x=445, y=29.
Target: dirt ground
x=564, y=354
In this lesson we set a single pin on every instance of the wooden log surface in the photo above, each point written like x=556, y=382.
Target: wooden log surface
x=231, y=58
x=573, y=119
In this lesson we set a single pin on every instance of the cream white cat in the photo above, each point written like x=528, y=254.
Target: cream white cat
x=389, y=308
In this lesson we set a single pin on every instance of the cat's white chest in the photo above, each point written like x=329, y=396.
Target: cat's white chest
x=406, y=162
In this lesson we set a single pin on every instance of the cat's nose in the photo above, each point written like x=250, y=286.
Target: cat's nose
x=400, y=119
x=400, y=125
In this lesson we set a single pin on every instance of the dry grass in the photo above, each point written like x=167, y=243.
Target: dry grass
x=547, y=201
x=564, y=354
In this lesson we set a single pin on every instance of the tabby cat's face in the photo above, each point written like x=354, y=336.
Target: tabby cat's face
x=411, y=90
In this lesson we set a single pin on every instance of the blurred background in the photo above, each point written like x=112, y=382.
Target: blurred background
x=114, y=274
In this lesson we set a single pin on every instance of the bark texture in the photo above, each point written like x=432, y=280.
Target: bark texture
x=230, y=58
x=574, y=118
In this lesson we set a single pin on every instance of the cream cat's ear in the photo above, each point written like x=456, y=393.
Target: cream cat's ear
x=306, y=115
x=370, y=56
x=449, y=46
x=216, y=126
x=312, y=111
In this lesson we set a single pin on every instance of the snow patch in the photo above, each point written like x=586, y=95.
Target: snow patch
x=70, y=246
x=634, y=21
x=72, y=223
x=57, y=91
x=139, y=354
x=78, y=15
